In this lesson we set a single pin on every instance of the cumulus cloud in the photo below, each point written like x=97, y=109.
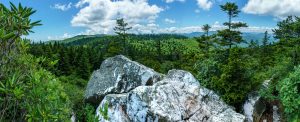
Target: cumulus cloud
x=214, y=27
x=171, y=1
x=189, y=29
x=205, y=4
x=64, y=36
x=62, y=7
x=99, y=16
x=170, y=21
x=277, y=8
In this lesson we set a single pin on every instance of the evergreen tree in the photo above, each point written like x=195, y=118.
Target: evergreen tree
x=159, y=50
x=266, y=55
x=234, y=83
x=253, y=44
x=231, y=35
x=265, y=39
x=206, y=38
x=84, y=67
x=286, y=29
x=121, y=29
x=64, y=62
x=206, y=29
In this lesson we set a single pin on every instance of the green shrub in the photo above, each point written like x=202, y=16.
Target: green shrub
x=208, y=71
x=27, y=91
x=90, y=114
x=32, y=93
x=289, y=93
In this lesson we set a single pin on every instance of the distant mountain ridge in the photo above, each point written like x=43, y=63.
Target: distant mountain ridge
x=75, y=38
x=246, y=36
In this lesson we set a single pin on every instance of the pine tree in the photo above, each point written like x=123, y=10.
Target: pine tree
x=204, y=40
x=266, y=56
x=84, y=67
x=234, y=83
x=206, y=29
x=121, y=29
x=64, y=63
x=159, y=53
x=231, y=35
x=285, y=29
x=265, y=39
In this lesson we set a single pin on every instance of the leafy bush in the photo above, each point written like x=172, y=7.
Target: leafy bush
x=90, y=114
x=32, y=93
x=208, y=71
x=289, y=93
x=27, y=91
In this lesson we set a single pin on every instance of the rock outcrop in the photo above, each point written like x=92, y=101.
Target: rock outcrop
x=255, y=107
x=178, y=96
x=118, y=75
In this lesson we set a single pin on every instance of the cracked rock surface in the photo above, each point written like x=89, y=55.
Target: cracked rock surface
x=118, y=75
x=178, y=97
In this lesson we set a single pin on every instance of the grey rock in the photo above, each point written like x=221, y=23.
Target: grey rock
x=178, y=97
x=276, y=114
x=254, y=106
x=118, y=75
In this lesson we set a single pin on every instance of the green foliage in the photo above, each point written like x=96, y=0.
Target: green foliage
x=288, y=28
x=217, y=61
x=208, y=71
x=231, y=9
x=90, y=114
x=228, y=36
x=27, y=91
x=206, y=29
x=104, y=111
x=121, y=29
x=234, y=83
x=32, y=93
x=268, y=93
x=289, y=94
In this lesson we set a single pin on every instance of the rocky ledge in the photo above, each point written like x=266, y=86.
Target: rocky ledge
x=131, y=92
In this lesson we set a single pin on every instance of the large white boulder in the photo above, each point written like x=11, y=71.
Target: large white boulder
x=177, y=97
x=118, y=75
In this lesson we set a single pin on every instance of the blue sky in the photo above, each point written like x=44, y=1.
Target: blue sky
x=66, y=18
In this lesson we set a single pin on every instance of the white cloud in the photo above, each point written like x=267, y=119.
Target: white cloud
x=277, y=8
x=171, y=1
x=170, y=21
x=189, y=29
x=214, y=27
x=99, y=16
x=217, y=26
x=66, y=35
x=62, y=7
x=205, y=4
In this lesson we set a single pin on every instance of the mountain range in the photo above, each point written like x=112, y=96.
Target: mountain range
x=248, y=36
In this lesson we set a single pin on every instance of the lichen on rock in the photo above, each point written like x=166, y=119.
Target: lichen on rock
x=177, y=97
